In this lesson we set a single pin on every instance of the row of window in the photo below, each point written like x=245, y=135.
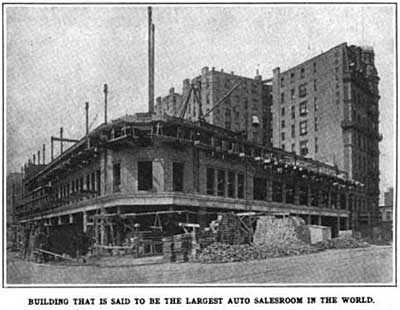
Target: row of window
x=303, y=128
x=224, y=183
x=89, y=183
x=304, y=149
x=302, y=91
x=145, y=176
x=302, y=75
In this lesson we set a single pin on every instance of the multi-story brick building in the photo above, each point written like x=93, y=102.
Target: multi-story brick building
x=326, y=108
x=170, y=104
x=246, y=110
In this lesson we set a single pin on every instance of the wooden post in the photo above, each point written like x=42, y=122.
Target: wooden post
x=84, y=221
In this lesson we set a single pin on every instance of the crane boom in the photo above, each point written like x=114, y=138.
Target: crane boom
x=221, y=100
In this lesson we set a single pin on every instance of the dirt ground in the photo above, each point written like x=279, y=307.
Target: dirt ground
x=367, y=265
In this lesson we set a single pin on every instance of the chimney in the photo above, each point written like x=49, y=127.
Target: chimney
x=151, y=30
x=105, y=102
x=44, y=154
x=52, y=148
x=87, y=123
x=61, y=140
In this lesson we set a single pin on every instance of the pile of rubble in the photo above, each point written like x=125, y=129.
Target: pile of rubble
x=341, y=243
x=223, y=253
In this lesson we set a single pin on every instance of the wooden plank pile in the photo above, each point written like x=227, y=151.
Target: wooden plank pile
x=230, y=230
x=177, y=248
x=182, y=247
x=168, y=249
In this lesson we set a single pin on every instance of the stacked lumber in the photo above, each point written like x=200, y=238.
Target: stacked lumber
x=168, y=249
x=182, y=247
x=223, y=253
x=229, y=230
x=341, y=243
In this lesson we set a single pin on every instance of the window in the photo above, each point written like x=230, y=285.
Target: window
x=303, y=90
x=145, y=175
x=292, y=75
x=277, y=191
x=221, y=183
x=315, y=85
x=260, y=189
x=177, y=177
x=210, y=181
x=316, y=124
x=303, y=148
x=282, y=97
x=315, y=104
x=81, y=184
x=93, y=179
x=116, y=177
x=316, y=145
x=283, y=123
x=293, y=112
x=240, y=185
x=314, y=67
x=302, y=73
x=293, y=148
x=303, y=108
x=231, y=184
x=293, y=131
x=283, y=136
x=292, y=93
x=283, y=146
x=88, y=182
x=282, y=81
x=303, y=128
x=283, y=111
x=98, y=182
x=289, y=190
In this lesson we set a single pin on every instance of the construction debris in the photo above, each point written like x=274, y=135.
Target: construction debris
x=276, y=230
x=223, y=253
x=341, y=243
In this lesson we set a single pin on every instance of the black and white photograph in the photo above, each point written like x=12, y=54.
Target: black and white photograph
x=199, y=144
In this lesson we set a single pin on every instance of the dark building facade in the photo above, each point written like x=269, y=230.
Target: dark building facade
x=326, y=108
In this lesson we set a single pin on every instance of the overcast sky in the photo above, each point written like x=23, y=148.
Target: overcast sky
x=58, y=57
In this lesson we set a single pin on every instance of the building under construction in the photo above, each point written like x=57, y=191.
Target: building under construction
x=148, y=175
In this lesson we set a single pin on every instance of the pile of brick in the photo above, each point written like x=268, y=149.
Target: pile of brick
x=340, y=243
x=277, y=230
x=223, y=253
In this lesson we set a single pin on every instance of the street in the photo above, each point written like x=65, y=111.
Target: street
x=362, y=265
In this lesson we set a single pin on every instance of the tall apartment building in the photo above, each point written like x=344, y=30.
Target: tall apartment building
x=246, y=110
x=326, y=108
x=170, y=104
